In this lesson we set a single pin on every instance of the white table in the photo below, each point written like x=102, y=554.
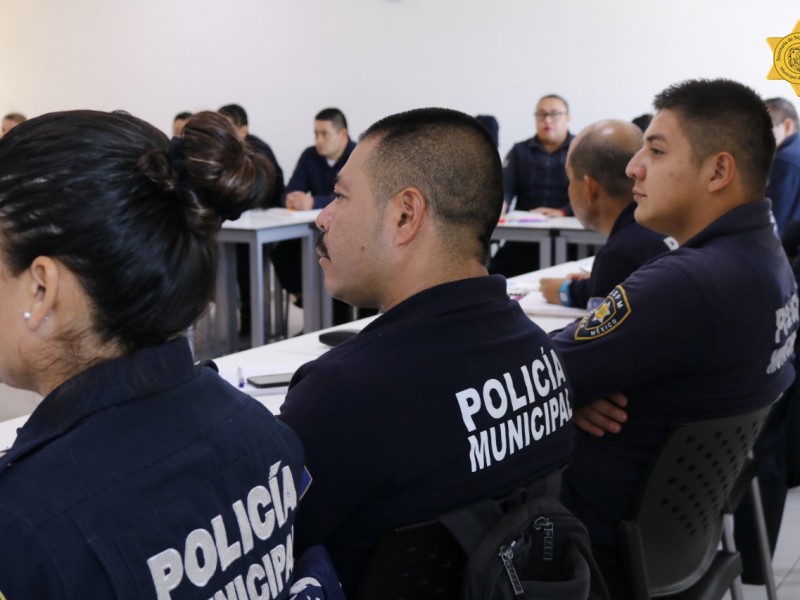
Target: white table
x=256, y=229
x=554, y=231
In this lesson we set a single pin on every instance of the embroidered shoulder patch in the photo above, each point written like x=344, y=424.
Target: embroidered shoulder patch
x=606, y=317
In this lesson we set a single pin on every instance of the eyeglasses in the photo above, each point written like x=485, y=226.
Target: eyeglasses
x=553, y=114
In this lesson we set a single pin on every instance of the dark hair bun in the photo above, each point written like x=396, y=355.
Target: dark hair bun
x=211, y=171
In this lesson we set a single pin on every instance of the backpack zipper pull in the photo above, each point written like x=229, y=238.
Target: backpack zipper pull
x=547, y=525
x=507, y=556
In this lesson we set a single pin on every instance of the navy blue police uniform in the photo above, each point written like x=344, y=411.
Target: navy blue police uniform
x=451, y=396
x=148, y=477
x=629, y=245
x=704, y=331
x=783, y=188
x=535, y=177
x=315, y=175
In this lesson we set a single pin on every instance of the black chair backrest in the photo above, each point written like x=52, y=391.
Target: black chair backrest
x=416, y=562
x=680, y=504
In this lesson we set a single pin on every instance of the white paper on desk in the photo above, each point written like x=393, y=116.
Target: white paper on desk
x=523, y=216
x=298, y=214
x=533, y=303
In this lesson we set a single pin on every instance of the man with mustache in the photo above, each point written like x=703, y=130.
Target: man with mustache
x=450, y=395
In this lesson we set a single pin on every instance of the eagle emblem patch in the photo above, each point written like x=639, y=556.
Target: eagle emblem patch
x=606, y=317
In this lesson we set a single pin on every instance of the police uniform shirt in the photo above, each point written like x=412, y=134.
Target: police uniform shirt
x=629, y=246
x=313, y=174
x=148, y=477
x=704, y=331
x=451, y=396
x=537, y=177
x=783, y=188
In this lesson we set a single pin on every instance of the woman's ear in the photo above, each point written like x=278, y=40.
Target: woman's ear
x=44, y=287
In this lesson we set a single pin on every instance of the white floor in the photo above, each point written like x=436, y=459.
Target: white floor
x=786, y=562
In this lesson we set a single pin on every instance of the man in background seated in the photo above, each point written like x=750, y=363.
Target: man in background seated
x=701, y=332
x=311, y=186
x=238, y=116
x=178, y=122
x=602, y=199
x=534, y=174
x=10, y=121
x=452, y=394
x=783, y=188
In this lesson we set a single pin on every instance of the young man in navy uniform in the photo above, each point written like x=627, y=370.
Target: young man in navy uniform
x=704, y=331
x=601, y=197
x=452, y=394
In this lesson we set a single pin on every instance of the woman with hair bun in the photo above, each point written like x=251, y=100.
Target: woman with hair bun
x=140, y=475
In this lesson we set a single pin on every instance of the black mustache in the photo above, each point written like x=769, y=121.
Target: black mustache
x=322, y=249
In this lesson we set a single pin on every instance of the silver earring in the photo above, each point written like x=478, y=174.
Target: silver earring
x=26, y=315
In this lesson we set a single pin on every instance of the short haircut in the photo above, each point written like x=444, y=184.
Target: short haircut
x=334, y=115
x=555, y=97
x=16, y=117
x=451, y=158
x=643, y=121
x=235, y=113
x=781, y=109
x=605, y=158
x=721, y=115
x=182, y=116
x=131, y=214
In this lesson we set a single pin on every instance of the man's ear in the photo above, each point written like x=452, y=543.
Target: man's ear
x=592, y=188
x=410, y=209
x=44, y=286
x=722, y=168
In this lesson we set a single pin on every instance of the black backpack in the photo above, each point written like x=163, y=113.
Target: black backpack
x=526, y=546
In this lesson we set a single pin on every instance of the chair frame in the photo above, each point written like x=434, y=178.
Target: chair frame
x=670, y=540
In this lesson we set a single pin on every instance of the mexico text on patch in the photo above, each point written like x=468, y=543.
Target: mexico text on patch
x=606, y=317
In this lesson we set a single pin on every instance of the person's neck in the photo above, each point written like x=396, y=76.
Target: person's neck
x=609, y=216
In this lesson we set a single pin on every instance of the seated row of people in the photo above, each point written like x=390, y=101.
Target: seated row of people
x=141, y=471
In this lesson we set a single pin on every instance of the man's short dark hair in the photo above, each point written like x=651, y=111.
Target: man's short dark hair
x=781, y=109
x=555, y=97
x=605, y=158
x=334, y=115
x=451, y=158
x=721, y=115
x=643, y=121
x=18, y=118
x=235, y=113
x=182, y=116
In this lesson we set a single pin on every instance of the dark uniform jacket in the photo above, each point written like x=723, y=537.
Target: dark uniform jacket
x=451, y=396
x=314, y=175
x=148, y=477
x=704, y=331
x=629, y=245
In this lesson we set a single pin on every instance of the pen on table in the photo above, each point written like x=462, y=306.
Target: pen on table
x=240, y=376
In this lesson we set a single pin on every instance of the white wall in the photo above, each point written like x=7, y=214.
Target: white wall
x=283, y=60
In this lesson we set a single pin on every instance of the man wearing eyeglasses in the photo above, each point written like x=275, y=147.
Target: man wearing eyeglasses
x=534, y=173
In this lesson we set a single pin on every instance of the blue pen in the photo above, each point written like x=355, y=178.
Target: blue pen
x=240, y=376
